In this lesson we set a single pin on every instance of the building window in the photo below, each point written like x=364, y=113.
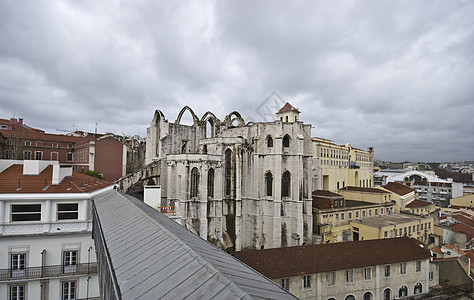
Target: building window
x=68, y=211
x=8, y=154
x=341, y=203
x=368, y=273
x=370, y=213
x=349, y=276
x=285, y=283
x=418, y=288
x=26, y=155
x=350, y=297
x=286, y=141
x=210, y=183
x=306, y=281
x=194, y=183
x=403, y=291
x=38, y=155
x=69, y=261
x=268, y=184
x=27, y=143
x=228, y=171
x=418, y=266
x=269, y=142
x=17, y=292
x=357, y=215
x=335, y=203
x=403, y=268
x=69, y=290
x=350, y=215
x=387, y=294
x=331, y=278
x=386, y=271
x=381, y=211
x=430, y=275
x=342, y=216
x=285, y=184
x=363, y=214
x=18, y=264
x=69, y=156
x=368, y=296
x=25, y=212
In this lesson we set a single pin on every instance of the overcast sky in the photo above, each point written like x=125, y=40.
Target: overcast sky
x=395, y=75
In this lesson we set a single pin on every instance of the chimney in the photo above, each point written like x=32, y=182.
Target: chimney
x=59, y=172
x=20, y=121
x=371, y=149
x=13, y=121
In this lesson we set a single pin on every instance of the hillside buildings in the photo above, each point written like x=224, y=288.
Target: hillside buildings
x=375, y=269
x=46, y=246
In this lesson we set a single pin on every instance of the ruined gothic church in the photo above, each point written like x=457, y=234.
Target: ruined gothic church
x=239, y=185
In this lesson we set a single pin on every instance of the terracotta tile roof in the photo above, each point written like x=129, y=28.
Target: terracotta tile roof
x=365, y=190
x=311, y=259
x=39, y=136
x=461, y=207
x=418, y=203
x=436, y=249
x=468, y=220
x=469, y=231
x=323, y=193
x=470, y=254
x=12, y=179
x=288, y=107
x=398, y=188
x=455, y=248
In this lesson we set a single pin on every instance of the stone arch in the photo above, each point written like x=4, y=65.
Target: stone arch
x=286, y=141
x=269, y=141
x=286, y=184
x=268, y=183
x=180, y=115
x=232, y=117
x=158, y=117
x=387, y=294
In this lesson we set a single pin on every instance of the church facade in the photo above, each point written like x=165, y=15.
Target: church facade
x=239, y=185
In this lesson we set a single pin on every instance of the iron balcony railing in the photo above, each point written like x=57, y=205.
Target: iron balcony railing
x=47, y=271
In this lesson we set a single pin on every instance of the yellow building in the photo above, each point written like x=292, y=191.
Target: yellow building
x=420, y=207
x=332, y=215
x=373, y=195
x=464, y=201
x=342, y=165
x=394, y=225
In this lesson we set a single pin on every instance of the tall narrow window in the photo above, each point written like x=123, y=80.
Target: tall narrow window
x=268, y=184
x=286, y=141
x=285, y=283
x=306, y=281
x=18, y=264
x=38, y=155
x=418, y=288
x=194, y=182
x=269, y=142
x=228, y=171
x=349, y=276
x=69, y=290
x=17, y=292
x=70, y=261
x=285, y=184
x=403, y=291
x=210, y=183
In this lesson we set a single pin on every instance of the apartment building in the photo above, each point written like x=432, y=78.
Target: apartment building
x=332, y=215
x=394, y=225
x=46, y=245
x=401, y=194
x=369, y=269
x=342, y=165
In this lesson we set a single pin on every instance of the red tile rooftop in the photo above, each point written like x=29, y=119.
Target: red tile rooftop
x=310, y=259
x=288, y=107
x=418, y=204
x=398, y=188
x=12, y=181
x=365, y=190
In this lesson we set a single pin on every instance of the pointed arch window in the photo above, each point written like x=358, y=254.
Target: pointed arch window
x=194, y=182
x=228, y=172
x=286, y=141
x=210, y=183
x=269, y=142
x=268, y=184
x=285, y=184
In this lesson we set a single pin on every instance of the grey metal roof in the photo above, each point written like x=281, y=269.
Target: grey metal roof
x=155, y=258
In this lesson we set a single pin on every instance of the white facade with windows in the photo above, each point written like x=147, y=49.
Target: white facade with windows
x=46, y=246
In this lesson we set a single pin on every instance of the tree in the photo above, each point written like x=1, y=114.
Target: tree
x=93, y=173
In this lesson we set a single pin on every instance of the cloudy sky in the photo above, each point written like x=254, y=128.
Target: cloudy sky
x=396, y=75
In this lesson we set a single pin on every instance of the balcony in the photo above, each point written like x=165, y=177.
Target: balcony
x=15, y=228
x=48, y=272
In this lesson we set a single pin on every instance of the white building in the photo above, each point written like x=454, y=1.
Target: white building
x=46, y=246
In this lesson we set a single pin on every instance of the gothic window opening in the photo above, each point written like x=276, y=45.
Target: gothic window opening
x=268, y=184
x=269, y=142
x=194, y=182
x=210, y=183
x=285, y=184
x=286, y=141
x=228, y=172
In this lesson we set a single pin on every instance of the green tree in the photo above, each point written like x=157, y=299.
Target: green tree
x=94, y=173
